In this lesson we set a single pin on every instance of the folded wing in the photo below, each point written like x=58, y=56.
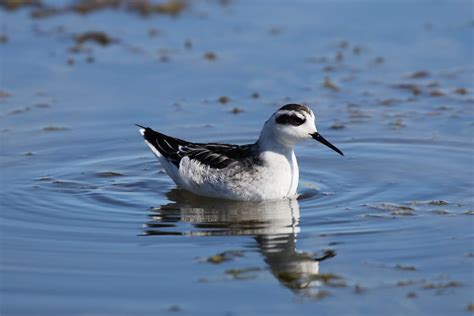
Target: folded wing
x=216, y=156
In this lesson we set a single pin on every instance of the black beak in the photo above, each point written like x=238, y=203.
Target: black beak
x=322, y=140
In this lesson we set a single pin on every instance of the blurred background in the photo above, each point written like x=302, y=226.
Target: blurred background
x=91, y=224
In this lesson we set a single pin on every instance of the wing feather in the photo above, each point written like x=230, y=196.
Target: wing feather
x=214, y=155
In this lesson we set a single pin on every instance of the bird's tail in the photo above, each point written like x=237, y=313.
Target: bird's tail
x=142, y=129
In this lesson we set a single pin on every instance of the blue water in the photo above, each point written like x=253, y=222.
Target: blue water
x=385, y=230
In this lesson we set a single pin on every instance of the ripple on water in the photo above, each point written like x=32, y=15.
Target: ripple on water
x=371, y=172
x=338, y=189
x=343, y=204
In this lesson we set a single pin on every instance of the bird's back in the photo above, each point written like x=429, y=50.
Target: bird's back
x=213, y=155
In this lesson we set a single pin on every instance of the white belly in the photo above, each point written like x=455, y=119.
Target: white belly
x=276, y=178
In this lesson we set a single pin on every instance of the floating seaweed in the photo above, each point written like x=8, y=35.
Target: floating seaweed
x=142, y=7
x=329, y=84
x=223, y=99
x=405, y=267
x=17, y=4
x=413, y=88
x=394, y=209
x=445, y=285
x=419, y=74
x=210, y=56
x=145, y=8
x=436, y=93
x=54, y=128
x=470, y=307
x=4, y=94
x=236, y=110
x=461, y=91
x=377, y=61
x=97, y=37
x=224, y=256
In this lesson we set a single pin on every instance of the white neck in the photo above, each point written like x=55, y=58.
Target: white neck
x=268, y=142
x=280, y=161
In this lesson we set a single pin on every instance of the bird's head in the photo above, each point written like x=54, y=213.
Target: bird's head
x=292, y=124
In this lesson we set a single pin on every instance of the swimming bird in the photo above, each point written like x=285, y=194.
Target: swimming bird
x=264, y=170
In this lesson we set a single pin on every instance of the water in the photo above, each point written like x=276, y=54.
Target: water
x=91, y=225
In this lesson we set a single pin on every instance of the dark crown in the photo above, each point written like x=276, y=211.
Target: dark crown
x=295, y=107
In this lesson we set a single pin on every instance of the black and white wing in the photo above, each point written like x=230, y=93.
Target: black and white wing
x=216, y=156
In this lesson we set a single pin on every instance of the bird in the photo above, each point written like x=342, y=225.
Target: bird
x=264, y=170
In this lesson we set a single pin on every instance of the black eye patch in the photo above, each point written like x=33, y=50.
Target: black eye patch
x=290, y=119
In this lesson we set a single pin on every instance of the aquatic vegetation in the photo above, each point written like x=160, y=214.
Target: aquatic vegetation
x=329, y=84
x=470, y=307
x=405, y=267
x=377, y=61
x=441, y=285
x=408, y=282
x=419, y=74
x=431, y=202
x=169, y=7
x=142, y=7
x=97, y=37
x=255, y=95
x=243, y=273
x=436, y=93
x=225, y=256
x=17, y=4
x=223, y=99
x=413, y=88
x=393, y=208
x=461, y=91
x=236, y=110
x=53, y=128
x=211, y=56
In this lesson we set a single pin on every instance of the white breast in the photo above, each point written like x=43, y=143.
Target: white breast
x=280, y=175
x=295, y=176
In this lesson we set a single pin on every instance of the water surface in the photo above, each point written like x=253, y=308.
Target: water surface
x=91, y=224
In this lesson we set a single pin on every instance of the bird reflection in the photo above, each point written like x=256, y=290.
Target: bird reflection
x=273, y=224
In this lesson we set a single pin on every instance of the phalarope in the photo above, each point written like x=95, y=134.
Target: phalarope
x=264, y=170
